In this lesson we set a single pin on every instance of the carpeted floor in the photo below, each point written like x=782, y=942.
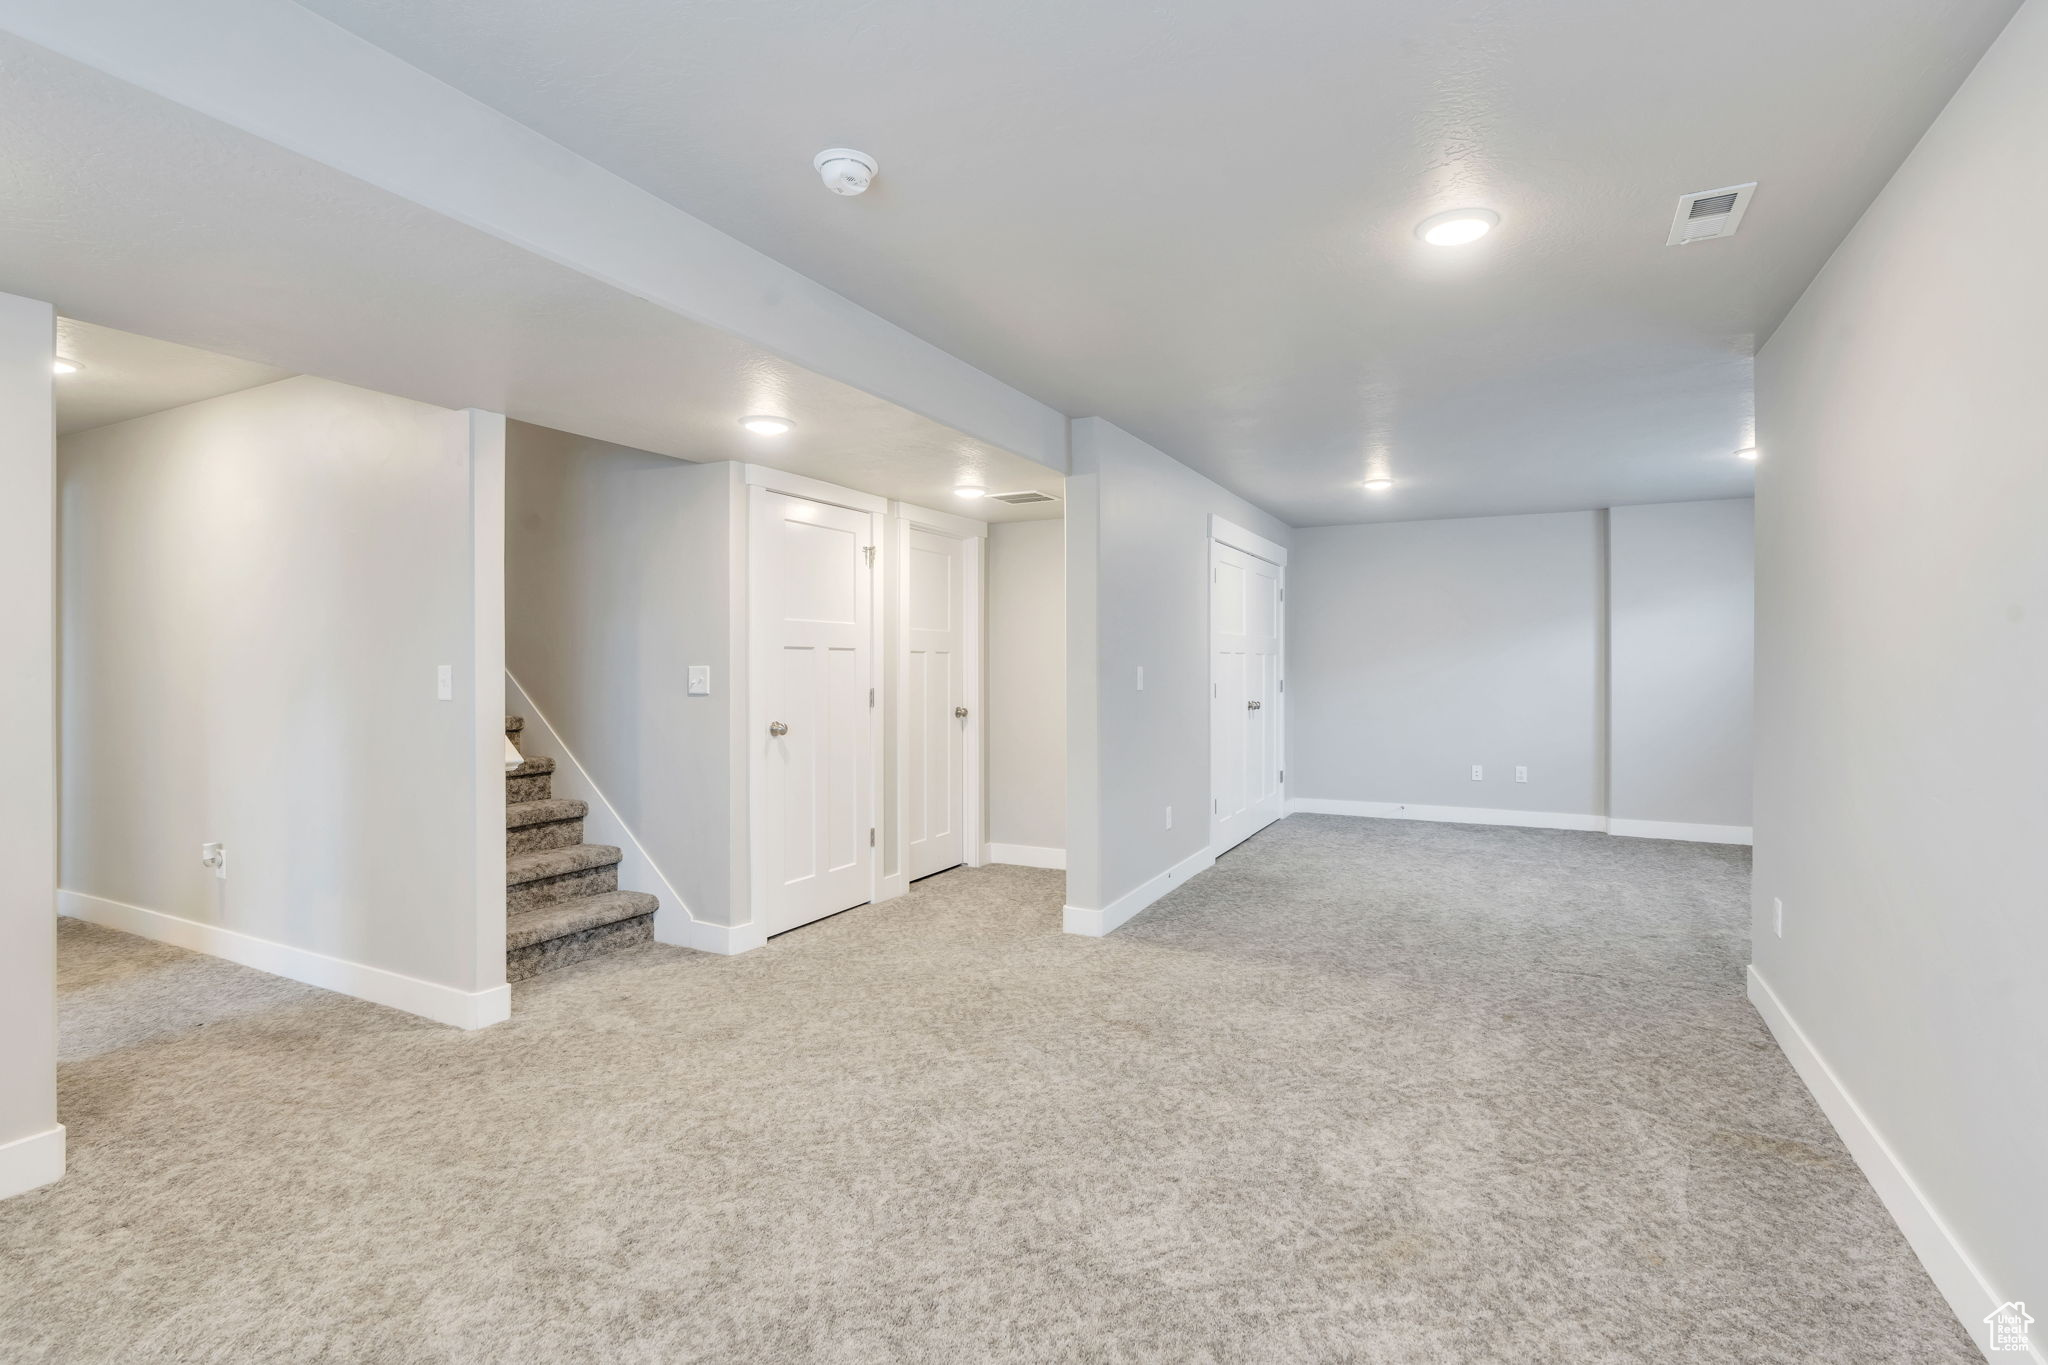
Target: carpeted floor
x=1370, y=1091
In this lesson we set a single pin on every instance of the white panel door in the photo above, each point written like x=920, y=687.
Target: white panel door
x=1244, y=620
x=935, y=707
x=813, y=725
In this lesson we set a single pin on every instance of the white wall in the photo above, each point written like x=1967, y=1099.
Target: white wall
x=257, y=591
x=31, y=1143
x=1681, y=627
x=1417, y=649
x=1902, y=684
x=619, y=576
x=1606, y=652
x=1138, y=596
x=1027, y=684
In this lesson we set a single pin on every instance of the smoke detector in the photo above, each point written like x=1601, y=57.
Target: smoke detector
x=1709, y=214
x=844, y=170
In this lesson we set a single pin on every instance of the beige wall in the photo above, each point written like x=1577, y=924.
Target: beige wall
x=1027, y=684
x=1902, y=675
x=257, y=591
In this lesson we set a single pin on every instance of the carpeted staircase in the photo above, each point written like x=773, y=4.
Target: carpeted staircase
x=562, y=897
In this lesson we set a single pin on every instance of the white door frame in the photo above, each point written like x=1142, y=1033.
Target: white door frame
x=1223, y=531
x=755, y=711
x=902, y=517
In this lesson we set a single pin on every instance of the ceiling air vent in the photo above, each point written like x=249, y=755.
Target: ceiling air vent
x=1020, y=499
x=1709, y=214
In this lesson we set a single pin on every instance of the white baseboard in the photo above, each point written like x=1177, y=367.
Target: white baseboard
x=1027, y=855
x=1671, y=829
x=428, y=999
x=1450, y=815
x=31, y=1162
x=673, y=922
x=1970, y=1295
x=1096, y=923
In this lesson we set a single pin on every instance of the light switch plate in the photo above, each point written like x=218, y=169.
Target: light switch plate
x=444, y=682
x=700, y=680
x=1521, y=774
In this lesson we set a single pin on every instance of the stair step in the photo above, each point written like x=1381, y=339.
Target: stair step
x=532, y=780
x=520, y=814
x=524, y=928
x=532, y=767
x=541, y=864
x=514, y=724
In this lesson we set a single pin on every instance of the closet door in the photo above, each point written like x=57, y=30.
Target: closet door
x=813, y=738
x=935, y=704
x=1244, y=650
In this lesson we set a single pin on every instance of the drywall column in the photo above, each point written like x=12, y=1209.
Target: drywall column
x=485, y=682
x=1681, y=589
x=31, y=1140
x=1902, y=689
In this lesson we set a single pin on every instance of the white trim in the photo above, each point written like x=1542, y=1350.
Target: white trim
x=1096, y=923
x=673, y=921
x=1251, y=542
x=1954, y=1272
x=947, y=523
x=1451, y=815
x=428, y=999
x=816, y=490
x=1026, y=855
x=1669, y=829
x=31, y=1162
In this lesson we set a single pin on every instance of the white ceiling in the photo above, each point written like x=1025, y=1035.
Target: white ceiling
x=1197, y=220
x=128, y=211
x=123, y=375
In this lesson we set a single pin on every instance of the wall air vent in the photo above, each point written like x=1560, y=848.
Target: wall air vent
x=1021, y=499
x=1709, y=214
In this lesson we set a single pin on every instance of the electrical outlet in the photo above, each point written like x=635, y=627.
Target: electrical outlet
x=1778, y=916
x=1478, y=773
x=1169, y=817
x=1521, y=773
x=215, y=856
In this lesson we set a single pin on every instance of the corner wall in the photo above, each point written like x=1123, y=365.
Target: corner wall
x=1605, y=652
x=31, y=1141
x=257, y=593
x=1902, y=687
x=1138, y=597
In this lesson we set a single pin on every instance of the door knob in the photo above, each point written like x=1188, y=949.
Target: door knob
x=1251, y=706
x=959, y=713
x=777, y=728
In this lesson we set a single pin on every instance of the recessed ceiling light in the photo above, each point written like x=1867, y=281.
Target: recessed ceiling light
x=1378, y=485
x=66, y=367
x=1457, y=227
x=970, y=490
x=767, y=426
x=1746, y=453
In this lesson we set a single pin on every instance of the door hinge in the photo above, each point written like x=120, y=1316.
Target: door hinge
x=871, y=698
x=871, y=836
x=1283, y=684
x=870, y=552
x=1283, y=774
x=1283, y=594
x=1216, y=805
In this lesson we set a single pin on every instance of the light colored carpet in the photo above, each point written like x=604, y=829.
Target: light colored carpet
x=1371, y=1091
